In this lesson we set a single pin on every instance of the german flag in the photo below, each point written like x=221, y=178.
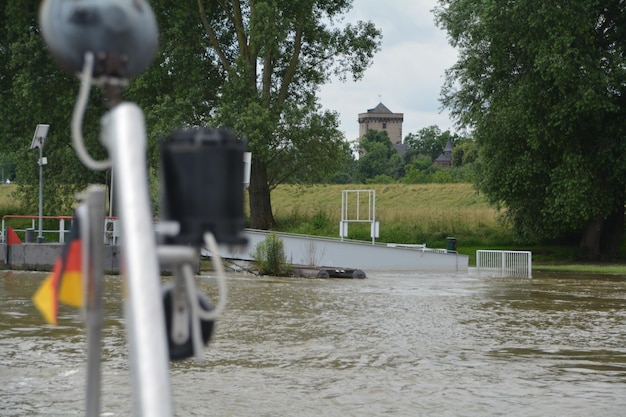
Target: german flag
x=64, y=284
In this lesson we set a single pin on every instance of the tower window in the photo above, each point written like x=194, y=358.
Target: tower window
x=384, y=125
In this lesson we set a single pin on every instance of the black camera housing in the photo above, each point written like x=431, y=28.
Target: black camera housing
x=202, y=186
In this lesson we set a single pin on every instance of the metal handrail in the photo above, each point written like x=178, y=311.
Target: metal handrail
x=61, y=230
x=110, y=235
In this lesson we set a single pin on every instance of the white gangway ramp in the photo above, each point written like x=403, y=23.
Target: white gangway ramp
x=505, y=263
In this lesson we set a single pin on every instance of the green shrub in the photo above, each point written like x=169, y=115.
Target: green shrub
x=380, y=179
x=269, y=257
x=320, y=220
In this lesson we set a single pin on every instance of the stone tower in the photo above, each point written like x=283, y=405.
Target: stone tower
x=381, y=118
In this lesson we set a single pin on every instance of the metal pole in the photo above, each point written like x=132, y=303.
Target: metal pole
x=111, y=195
x=373, y=205
x=124, y=134
x=91, y=216
x=40, y=237
x=343, y=211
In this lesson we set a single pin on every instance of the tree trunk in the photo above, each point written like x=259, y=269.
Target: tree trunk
x=612, y=233
x=261, y=216
x=602, y=237
x=590, y=241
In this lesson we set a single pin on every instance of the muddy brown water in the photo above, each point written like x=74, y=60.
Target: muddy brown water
x=398, y=344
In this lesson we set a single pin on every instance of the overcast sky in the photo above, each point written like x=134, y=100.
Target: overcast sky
x=407, y=73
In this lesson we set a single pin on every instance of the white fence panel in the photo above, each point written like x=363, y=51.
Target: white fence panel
x=505, y=263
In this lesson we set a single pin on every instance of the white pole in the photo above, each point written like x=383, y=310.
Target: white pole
x=373, y=203
x=91, y=213
x=40, y=237
x=111, y=195
x=344, y=209
x=125, y=136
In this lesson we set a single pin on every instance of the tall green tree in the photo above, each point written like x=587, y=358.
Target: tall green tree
x=253, y=66
x=179, y=90
x=182, y=86
x=33, y=90
x=429, y=141
x=377, y=157
x=274, y=55
x=543, y=86
x=7, y=166
x=465, y=152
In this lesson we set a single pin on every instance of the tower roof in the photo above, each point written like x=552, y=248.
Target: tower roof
x=379, y=109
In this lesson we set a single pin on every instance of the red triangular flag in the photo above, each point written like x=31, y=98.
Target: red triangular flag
x=12, y=237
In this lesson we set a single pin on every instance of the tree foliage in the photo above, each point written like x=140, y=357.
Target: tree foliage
x=465, y=152
x=274, y=55
x=378, y=157
x=179, y=90
x=542, y=86
x=380, y=162
x=250, y=65
x=33, y=91
x=430, y=141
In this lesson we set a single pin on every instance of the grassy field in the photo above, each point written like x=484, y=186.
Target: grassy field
x=6, y=199
x=406, y=213
x=11, y=205
x=417, y=213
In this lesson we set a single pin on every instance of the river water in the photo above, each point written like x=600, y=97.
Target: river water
x=398, y=344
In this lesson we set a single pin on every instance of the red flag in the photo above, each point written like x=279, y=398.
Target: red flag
x=64, y=284
x=12, y=237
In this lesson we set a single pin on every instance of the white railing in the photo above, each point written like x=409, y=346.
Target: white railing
x=61, y=230
x=112, y=230
x=505, y=263
x=353, y=210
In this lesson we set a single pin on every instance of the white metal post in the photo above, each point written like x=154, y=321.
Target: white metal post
x=124, y=134
x=91, y=215
x=61, y=230
x=41, y=131
x=40, y=236
x=372, y=204
x=111, y=195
